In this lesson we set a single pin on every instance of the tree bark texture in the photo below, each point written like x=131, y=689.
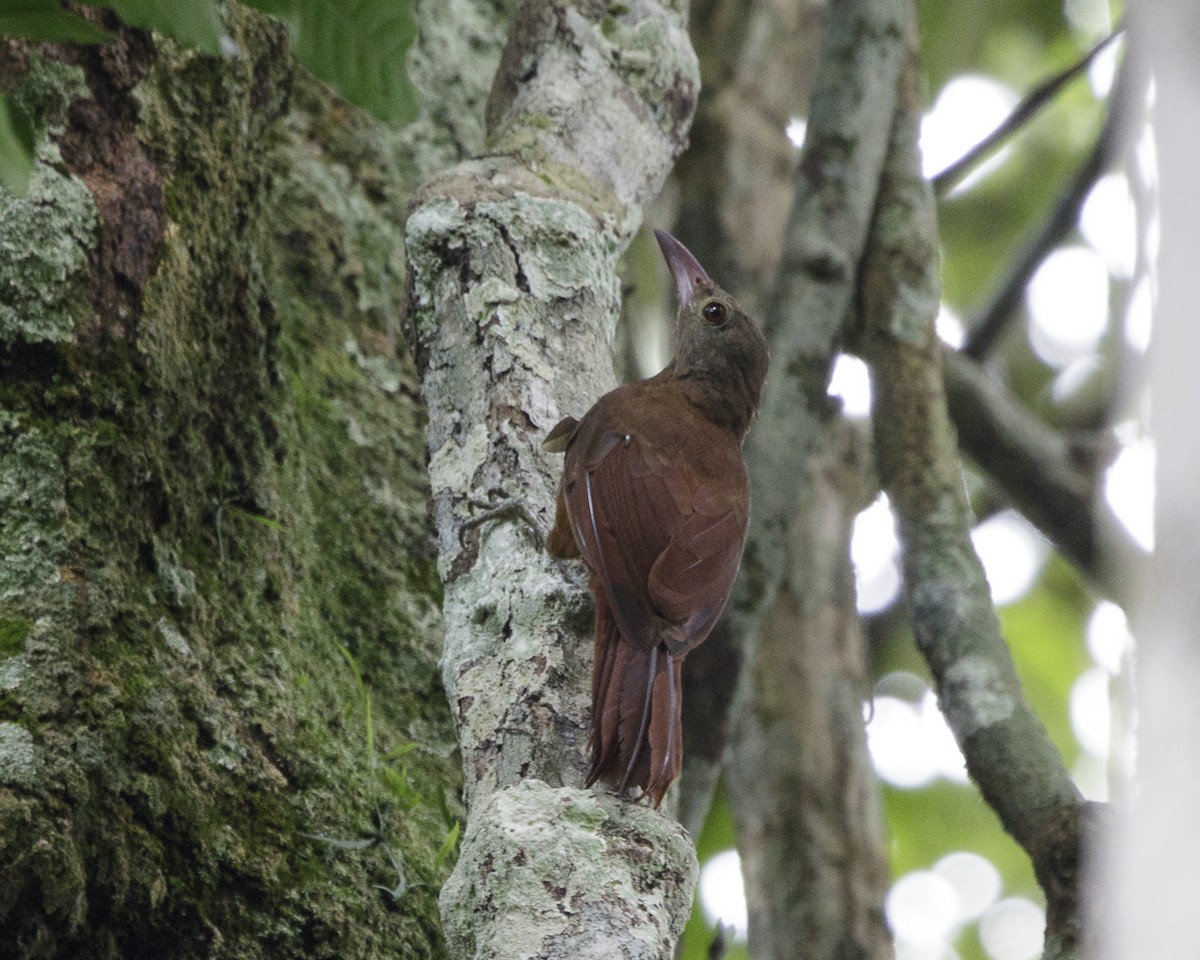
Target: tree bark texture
x=513, y=295
x=218, y=593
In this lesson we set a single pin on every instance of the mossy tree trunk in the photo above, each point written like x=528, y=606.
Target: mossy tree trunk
x=222, y=730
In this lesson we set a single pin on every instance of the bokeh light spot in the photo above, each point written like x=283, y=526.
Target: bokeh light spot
x=1109, y=224
x=796, y=129
x=1108, y=636
x=910, y=742
x=1012, y=553
x=1129, y=490
x=1012, y=929
x=968, y=108
x=922, y=908
x=950, y=327
x=1091, y=711
x=851, y=383
x=723, y=892
x=1067, y=300
x=975, y=880
x=874, y=551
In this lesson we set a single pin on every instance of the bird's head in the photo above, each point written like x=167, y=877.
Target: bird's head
x=715, y=341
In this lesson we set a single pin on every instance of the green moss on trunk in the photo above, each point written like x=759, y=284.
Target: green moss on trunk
x=222, y=731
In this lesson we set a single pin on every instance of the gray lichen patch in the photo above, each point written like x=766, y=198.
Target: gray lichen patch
x=452, y=64
x=576, y=251
x=45, y=236
x=44, y=243
x=565, y=872
x=514, y=666
x=18, y=756
x=32, y=509
x=975, y=695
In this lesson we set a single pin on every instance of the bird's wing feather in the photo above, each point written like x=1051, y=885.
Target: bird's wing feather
x=664, y=545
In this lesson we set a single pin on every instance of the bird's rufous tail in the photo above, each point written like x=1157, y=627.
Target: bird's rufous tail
x=637, y=734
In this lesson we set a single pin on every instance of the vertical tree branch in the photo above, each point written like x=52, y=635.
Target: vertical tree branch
x=801, y=787
x=805, y=801
x=736, y=184
x=849, y=115
x=1008, y=753
x=513, y=295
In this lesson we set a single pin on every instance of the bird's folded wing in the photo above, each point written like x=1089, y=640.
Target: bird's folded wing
x=664, y=547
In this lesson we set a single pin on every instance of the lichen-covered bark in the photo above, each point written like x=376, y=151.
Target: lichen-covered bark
x=513, y=295
x=212, y=518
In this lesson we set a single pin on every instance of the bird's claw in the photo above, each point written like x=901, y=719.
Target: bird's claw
x=509, y=510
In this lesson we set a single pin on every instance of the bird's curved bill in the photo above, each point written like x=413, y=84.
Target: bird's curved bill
x=689, y=275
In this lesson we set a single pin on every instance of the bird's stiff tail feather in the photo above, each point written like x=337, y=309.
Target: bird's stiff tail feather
x=637, y=735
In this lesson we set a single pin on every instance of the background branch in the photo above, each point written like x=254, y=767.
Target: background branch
x=836, y=181
x=735, y=186
x=1050, y=477
x=1009, y=755
x=802, y=792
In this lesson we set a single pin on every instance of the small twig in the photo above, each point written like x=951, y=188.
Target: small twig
x=1024, y=111
x=720, y=941
x=513, y=510
x=991, y=322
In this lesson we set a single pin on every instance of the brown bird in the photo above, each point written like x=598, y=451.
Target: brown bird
x=654, y=497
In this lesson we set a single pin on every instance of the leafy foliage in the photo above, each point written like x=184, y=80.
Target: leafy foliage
x=16, y=148
x=194, y=22
x=44, y=20
x=358, y=47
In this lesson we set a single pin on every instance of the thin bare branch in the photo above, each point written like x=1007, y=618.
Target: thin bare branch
x=1024, y=111
x=1126, y=99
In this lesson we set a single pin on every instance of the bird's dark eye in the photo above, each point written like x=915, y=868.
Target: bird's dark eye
x=715, y=312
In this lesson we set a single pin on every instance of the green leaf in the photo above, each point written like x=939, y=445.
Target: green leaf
x=194, y=22
x=16, y=148
x=447, y=846
x=358, y=47
x=399, y=752
x=43, y=20
x=398, y=786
